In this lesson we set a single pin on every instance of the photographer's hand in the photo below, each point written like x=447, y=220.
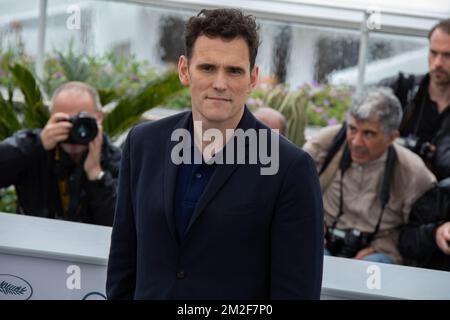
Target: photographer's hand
x=364, y=252
x=443, y=237
x=92, y=165
x=56, y=130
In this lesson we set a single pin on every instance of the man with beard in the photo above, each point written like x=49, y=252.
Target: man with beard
x=425, y=127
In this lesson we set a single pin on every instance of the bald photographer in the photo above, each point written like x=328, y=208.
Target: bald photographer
x=67, y=170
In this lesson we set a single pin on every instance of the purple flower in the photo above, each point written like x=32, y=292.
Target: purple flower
x=332, y=121
x=315, y=84
x=326, y=103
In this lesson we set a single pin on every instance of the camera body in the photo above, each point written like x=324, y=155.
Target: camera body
x=413, y=143
x=84, y=129
x=346, y=242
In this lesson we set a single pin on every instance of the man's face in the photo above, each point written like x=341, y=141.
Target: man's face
x=366, y=140
x=72, y=103
x=219, y=78
x=439, y=57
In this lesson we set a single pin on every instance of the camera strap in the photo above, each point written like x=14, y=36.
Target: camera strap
x=332, y=158
x=69, y=185
x=336, y=144
x=409, y=94
x=385, y=187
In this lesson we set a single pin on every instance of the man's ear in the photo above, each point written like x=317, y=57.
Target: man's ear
x=183, y=71
x=394, y=135
x=254, y=74
x=100, y=117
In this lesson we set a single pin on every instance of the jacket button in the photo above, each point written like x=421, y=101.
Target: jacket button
x=180, y=274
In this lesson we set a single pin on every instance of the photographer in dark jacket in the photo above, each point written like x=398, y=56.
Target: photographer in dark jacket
x=426, y=238
x=53, y=175
x=425, y=100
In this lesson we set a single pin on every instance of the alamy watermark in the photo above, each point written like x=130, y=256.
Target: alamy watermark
x=73, y=281
x=249, y=146
x=374, y=280
x=373, y=21
x=73, y=22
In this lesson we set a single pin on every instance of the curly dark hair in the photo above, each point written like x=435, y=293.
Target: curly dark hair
x=443, y=25
x=222, y=23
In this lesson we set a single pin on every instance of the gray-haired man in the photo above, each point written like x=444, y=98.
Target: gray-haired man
x=368, y=183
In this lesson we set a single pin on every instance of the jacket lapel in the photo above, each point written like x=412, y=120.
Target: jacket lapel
x=218, y=179
x=170, y=175
x=221, y=174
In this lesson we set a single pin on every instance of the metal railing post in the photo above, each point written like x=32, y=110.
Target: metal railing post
x=41, y=38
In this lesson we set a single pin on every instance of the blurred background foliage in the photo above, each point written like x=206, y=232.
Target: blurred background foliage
x=129, y=87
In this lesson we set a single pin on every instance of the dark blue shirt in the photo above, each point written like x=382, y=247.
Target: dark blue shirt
x=190, y=184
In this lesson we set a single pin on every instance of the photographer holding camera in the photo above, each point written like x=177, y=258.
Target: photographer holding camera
x=69, y=169
x=368, y=183
x=425, y=128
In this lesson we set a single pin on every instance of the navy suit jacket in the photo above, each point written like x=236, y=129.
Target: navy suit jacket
x=251, y=236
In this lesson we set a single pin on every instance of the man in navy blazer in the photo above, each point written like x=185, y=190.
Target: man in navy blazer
x=227, y=226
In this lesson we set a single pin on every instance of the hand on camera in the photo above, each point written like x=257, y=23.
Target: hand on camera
x=55, y=131
x=92, y=165
x=364, y=252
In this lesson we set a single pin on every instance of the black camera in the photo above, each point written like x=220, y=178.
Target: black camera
x=84, y=129
x=414, y=144
x=346, y=242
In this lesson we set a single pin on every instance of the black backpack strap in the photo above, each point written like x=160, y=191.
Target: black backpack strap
x=336, y=144
x=386, y=185
x=412, y=98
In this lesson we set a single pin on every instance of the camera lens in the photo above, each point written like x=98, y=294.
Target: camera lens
x=82, y=132
x=84, y=129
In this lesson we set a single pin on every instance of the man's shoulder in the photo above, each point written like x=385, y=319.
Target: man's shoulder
x=325, y=136
x=410, y=163
x=328, y=133
x=289, y=148
x=291, y=156
x=24, y=137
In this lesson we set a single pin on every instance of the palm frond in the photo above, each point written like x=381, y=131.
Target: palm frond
x=107, y=95
x=35, y=114
x=74, y=68
x=9, y=123
x=129, y=109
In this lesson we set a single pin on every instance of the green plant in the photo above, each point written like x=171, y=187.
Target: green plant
x=311, y=104
x=34, y=111
x=112, y=76
x=179, y=101
x=327, y=104
x=8, y=199
x=31, y=113
x=294, y=108
x=129, y=109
